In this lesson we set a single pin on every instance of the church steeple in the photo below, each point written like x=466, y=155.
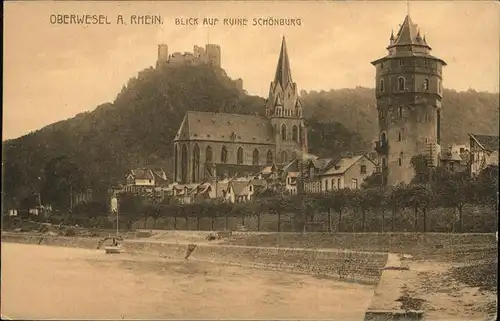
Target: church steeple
x=284, y=110
x=283, y=74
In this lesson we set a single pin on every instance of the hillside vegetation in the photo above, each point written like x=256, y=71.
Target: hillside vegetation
x=95, y=149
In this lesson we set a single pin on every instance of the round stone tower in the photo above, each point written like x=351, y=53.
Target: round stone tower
x=409, y=94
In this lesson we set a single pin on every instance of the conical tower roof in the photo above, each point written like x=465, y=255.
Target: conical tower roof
x=408, y=34
x=283, y=73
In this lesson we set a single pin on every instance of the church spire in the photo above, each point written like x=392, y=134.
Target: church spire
x=283, y=73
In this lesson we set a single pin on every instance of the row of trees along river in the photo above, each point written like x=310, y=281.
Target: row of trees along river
x=434, y=199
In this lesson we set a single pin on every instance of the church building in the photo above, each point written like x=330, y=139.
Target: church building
x=220, y=145
x=409, y=91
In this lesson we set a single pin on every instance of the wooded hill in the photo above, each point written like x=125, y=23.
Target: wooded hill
x=95, y=149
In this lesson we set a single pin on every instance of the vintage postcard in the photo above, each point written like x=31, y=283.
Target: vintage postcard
x=250, y=160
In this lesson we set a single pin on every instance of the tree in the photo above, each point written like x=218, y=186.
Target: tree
x=130, y=206
x=455, y=190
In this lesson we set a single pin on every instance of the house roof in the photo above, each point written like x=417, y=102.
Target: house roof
x=239, y=187
x=142, y=173
x=343, y=164
x=292, y=166
x=222, y=127
x=233, y=170
x=321, y=163
x=487, y=142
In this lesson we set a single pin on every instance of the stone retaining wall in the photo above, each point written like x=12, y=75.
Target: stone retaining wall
x=363, y=267
x=411, y=243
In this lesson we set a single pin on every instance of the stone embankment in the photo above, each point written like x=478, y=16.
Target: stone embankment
x=362, y=267
x=408, y=243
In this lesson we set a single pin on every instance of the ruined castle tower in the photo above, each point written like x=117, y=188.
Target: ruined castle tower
x=162, y=55
x=284, y=109
x=409, y=94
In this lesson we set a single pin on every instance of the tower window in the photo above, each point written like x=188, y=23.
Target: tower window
x=401, y=62
x=401, y=84
x=426, y=62
x=400, y=162
x=269, y=158
x=223, y=155
x=400, y=111
x=208, y=154
x=426, y=84
x=382, y=86
x=295, y=133
x=239, y=156
x=283, y=132
x=255, y=157
x=399, y=136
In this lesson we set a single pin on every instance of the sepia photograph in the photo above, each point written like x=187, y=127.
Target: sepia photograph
x=250, y=160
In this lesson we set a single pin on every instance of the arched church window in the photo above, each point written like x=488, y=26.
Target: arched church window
x=284, y=158
x=239, y=156
x=295, y=133
x=196, y=163
x=223, y=155
x=269, y=158
x=255, y=157
x=401, y=84
x=184, y=164
x=383, y=137
x=283, y=132
x=382, y=86
x=175, y=162
x=426, y=84
x=208, y=154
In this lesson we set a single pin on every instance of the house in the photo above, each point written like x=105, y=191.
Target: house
x=290, y=174
x=483, y=152
x=143, y=180
x=239, y=191
x=456, y=158
x=314, y=170
x=347, y=172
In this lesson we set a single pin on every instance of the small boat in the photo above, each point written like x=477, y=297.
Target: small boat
x=113, y=249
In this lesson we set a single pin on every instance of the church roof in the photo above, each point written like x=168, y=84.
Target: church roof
x=283, y=73
x=222, y=127
x=409, y=34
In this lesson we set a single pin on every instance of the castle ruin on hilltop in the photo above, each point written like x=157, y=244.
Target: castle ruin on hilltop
x=210, y=55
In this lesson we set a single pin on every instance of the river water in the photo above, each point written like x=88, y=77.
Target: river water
x=45, y=282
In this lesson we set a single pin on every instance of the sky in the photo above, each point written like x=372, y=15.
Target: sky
x=55, y=71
